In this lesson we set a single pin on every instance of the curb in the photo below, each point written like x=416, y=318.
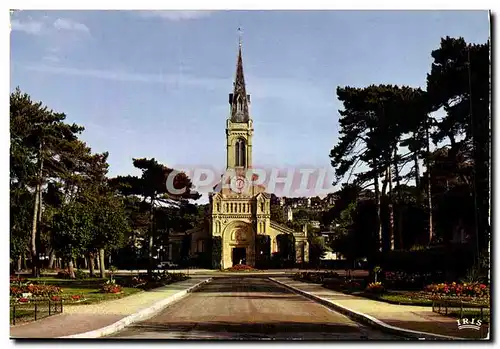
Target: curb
x=141, y=315
x=367, y=319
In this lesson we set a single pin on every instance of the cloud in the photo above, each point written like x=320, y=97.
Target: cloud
x=38, y=27
x=29, y=27
x=176, y=15
x=209, y=83
x=70, y=25
x=291, y=92
x=51, y=58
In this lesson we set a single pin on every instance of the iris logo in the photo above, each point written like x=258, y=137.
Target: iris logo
x=474, y=324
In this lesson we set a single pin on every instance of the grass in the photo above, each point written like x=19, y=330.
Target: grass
x=399, y=297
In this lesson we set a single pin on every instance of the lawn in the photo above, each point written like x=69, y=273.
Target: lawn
x=88, y=289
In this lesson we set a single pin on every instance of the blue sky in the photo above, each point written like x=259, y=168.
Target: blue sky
x=156, y=83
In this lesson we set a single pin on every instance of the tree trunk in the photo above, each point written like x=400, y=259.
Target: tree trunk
x=102, y=266
x=391, y=210
x=429, y=191
x=36, y=216
x=91, y=263
x=19, y=263
x=71, y=268
x=417, y=174
x=399, y=213
x=25, y=266
x=151, y=231
x=378, y=204
x=52, y=257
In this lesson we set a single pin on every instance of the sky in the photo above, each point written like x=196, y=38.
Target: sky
x=156, y=83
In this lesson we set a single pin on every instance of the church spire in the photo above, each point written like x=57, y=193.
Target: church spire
x=239, y=100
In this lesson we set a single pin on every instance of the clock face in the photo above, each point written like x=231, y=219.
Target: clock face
x=238, y=184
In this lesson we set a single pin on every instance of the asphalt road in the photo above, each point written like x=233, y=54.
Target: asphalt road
x=239, y=308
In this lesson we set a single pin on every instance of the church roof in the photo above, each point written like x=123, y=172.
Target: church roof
x=239, y=98
x=265, y=195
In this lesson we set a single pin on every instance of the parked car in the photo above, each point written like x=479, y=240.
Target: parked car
x=167, y=265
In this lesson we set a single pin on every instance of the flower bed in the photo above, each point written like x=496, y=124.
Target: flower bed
x=111, y=286
x=241, y=267
x=35, y=290
x=14, y=279
x=477, y=290
x=375, y=287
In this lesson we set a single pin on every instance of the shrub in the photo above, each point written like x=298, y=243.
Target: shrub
x=137, y=281
x=453, y=259
x=399, y=280
x=80, y=274
x=352, y=285
x=317, y=277
x=375, y=287
x=63, y=274
x=76, y=297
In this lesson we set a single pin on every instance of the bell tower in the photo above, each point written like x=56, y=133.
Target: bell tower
x=239, y=125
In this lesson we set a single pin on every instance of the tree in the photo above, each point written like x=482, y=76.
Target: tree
x=40, y=148
x=276, y=210
x=459, y=83
x=72, y=231
x=158, y=185
x=371, y=128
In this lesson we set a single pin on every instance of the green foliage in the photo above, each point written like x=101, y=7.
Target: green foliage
x=80, y=274
x=385, y=127
x=277, y=213
x=317, y=248
x=216, y=252
x=286, y=247
x=72, y=229
x=158, y=186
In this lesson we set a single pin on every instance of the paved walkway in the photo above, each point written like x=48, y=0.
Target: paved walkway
x=416, y=318
x=249, y=308
x=83, y=318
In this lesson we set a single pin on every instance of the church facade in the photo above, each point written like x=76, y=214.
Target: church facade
x=239, y=211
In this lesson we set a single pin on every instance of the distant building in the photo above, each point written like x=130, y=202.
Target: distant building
x=315, y=224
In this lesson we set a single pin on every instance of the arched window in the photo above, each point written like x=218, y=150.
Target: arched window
x=240, y=153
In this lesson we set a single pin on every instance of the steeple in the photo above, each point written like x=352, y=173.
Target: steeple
x=239, y=100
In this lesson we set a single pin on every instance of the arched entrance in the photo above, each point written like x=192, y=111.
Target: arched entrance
x=238, y=244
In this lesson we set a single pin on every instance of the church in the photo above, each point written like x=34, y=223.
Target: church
x=239, y=221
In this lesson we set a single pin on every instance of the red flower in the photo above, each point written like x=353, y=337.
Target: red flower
x=23, y=300
x=75, y=297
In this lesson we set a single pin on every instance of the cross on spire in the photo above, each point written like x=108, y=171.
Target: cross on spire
x=240, y=33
